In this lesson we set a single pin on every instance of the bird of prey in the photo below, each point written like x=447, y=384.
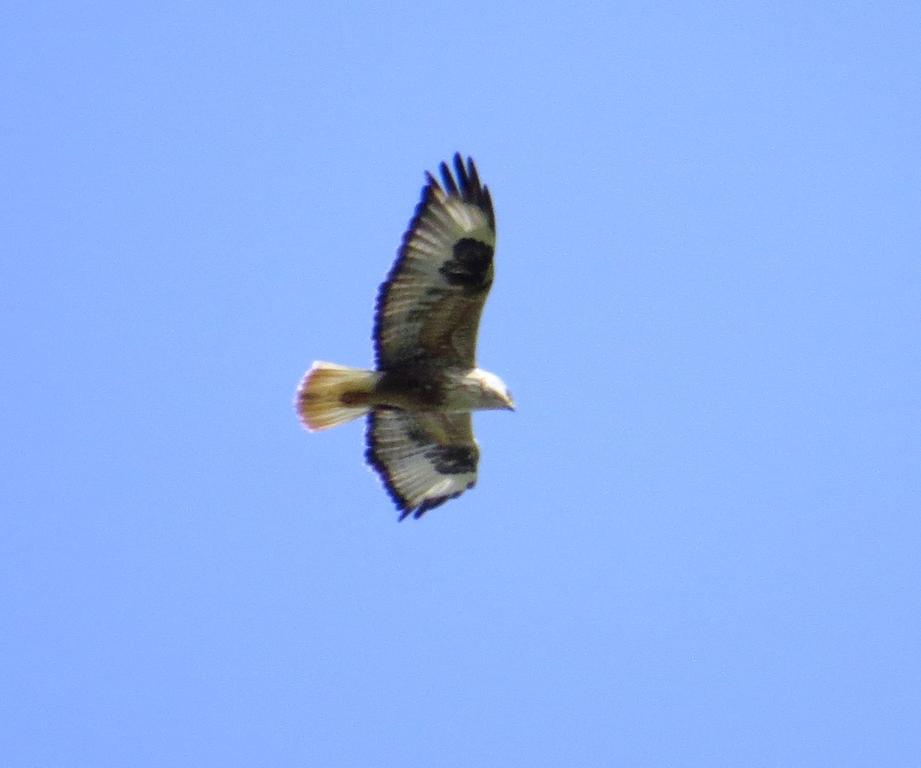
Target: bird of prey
x=426, y=382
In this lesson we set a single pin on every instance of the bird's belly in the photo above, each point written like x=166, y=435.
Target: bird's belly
x=422, y=389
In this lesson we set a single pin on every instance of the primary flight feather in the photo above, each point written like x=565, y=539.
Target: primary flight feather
x=426, y=382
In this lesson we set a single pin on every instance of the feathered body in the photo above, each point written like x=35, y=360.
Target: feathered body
x=426, y=383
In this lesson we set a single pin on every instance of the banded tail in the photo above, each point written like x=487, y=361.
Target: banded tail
x=331, y=394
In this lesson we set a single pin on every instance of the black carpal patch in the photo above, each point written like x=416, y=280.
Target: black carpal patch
x=453, y=459
x=469, y=265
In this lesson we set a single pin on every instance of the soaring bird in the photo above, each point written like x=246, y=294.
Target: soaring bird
x=426, y=383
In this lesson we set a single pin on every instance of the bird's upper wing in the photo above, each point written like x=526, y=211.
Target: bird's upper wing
x=430, y=304
x=423, y=458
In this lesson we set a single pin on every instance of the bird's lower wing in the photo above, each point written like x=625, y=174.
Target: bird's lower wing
x=423, y=459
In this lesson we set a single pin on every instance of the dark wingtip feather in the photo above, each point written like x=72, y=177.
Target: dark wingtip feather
x=468, y=186
x=462, y=172
x=425, y=506
x=430, y=182
x=450, y=184
x=472, y=174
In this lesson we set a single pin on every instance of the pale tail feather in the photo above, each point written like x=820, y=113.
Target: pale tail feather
x=331, y=394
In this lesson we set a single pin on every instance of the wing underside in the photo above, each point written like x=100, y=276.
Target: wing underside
x=430, y=304
x=424, y=459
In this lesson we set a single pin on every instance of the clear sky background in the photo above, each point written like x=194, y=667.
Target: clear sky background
x=697, y=541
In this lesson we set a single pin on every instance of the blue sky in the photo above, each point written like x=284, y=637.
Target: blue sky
x=696, y=542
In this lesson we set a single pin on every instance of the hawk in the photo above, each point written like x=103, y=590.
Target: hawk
x=426, y=383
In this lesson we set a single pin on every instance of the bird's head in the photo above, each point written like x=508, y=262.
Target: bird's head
x=494, y=395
